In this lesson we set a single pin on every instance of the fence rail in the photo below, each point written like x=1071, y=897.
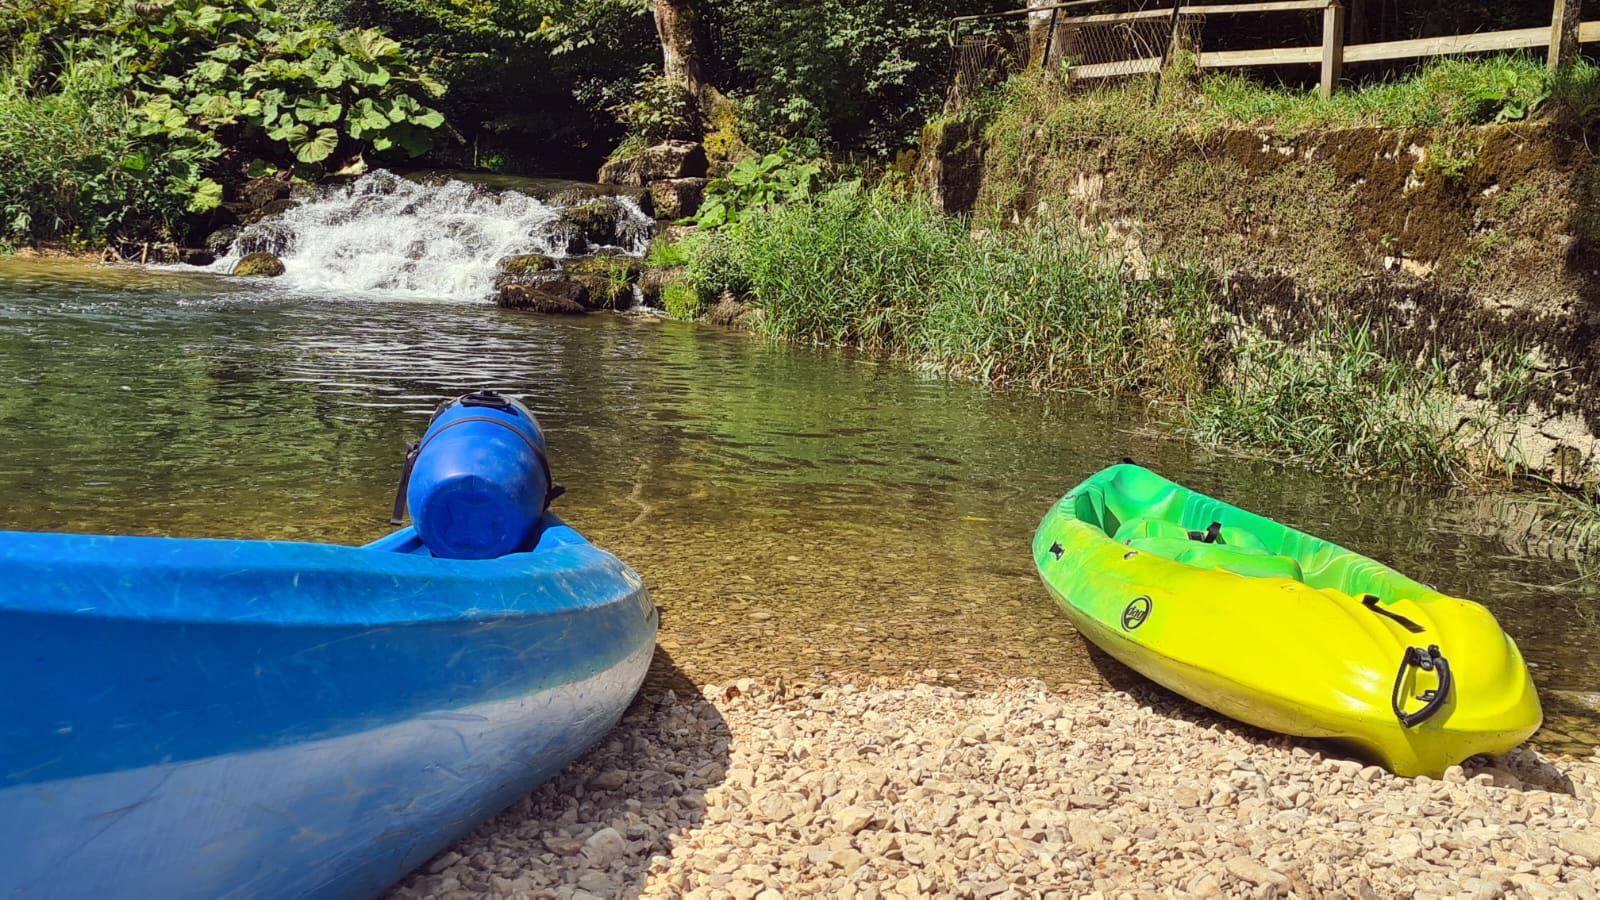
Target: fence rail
x=1064, y=39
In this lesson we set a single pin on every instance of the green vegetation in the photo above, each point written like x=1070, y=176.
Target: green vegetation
x=531, y=84
x=681, y=300
x=755, y=183
x=71, y=167
x=118, y=118
x=1450, y=91
x=866, y=268
x=1444, y=92
x=827, y=74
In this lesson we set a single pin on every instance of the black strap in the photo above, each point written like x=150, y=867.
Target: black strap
x=1429, y=660
x=399, y=514
x=1211, y=535
x=1370, y=601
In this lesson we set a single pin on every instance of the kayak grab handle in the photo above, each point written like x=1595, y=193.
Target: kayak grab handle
x=1429, y=660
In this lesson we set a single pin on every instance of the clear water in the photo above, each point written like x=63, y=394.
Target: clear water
x=792, y=509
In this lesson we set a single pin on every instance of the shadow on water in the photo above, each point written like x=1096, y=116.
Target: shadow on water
x=597, y=824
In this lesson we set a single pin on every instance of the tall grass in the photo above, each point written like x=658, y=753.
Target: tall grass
x=69, y=166
x=1033, y=304
x=1335, y=401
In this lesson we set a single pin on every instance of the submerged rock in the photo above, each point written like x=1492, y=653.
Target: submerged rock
x=259, y=265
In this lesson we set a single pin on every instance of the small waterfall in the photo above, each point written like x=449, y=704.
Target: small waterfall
x=388, y=235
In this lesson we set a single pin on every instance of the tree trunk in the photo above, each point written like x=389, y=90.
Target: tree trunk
x=679, y=59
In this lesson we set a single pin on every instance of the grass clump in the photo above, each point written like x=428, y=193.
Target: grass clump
x=1445, y=92
x=1336, y=401
x=1036, y=304
x=681, y=300
x=1333, y=398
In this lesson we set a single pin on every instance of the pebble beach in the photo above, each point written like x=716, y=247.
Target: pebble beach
x=931, y=785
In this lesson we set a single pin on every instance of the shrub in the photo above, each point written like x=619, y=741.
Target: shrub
x=755, y=183
x=662, y=110
x=120, y=117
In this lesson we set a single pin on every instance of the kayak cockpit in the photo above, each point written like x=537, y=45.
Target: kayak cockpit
x=550, y=533
x=1147, y=513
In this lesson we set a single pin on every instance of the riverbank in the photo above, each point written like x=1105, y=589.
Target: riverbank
x=916, y=787
x=1038, y=303
x=1449, y=216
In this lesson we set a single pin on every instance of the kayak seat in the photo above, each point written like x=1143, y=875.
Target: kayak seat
x=1236, y=550
x=1153, y=526
x=1251, y=562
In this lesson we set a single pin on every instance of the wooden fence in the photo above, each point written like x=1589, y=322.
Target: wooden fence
x=1057, y=25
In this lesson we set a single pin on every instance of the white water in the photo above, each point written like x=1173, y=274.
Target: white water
x=386, y=235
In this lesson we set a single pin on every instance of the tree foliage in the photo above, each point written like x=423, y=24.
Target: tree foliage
x=851, y=74
x=530, y=82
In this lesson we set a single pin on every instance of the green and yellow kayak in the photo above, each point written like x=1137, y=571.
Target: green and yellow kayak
x=1279, y=629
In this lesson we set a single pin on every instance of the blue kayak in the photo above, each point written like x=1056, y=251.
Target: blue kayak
x=218, y=718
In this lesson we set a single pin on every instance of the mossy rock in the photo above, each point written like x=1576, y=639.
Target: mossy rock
x=526, y=264
x=723, y=146
x=593, y=224
x=277, y=208
x=219, y=241
x=567, y=298
x=258, y=265
x=609, y=280
x=653, y=280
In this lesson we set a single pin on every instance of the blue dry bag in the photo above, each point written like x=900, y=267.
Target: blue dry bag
x=478, y=482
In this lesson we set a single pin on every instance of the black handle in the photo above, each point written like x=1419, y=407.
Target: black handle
x=1429, y=660
x=488, y=399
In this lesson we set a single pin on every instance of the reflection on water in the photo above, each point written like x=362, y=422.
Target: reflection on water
x=792, y=509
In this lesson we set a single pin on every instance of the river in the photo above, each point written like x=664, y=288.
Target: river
x=793, y=509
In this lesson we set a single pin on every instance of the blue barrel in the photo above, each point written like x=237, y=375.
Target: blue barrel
x=479, y=479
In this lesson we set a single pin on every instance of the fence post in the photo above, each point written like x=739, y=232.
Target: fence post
x=1564, y=21
x=1039, y=28
x=1333, y=46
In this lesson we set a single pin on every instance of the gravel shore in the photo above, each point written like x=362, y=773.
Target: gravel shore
x=920, y=787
